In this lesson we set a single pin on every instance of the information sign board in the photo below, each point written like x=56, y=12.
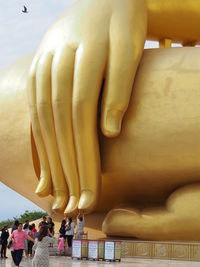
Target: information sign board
x=109, y=250
x=76, y=249
x=93, y=249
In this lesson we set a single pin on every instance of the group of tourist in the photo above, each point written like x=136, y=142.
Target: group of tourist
x=28, y=244
x=25, y=238
x=67, y=231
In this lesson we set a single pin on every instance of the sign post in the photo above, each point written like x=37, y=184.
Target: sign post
x=93, y=250
x=109, y=250
x=76, y=249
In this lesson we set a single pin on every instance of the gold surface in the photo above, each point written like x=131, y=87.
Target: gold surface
x=174, y=19
x=63, y=95
x=161, y=250
x=149, y=106
x=64, y=84
x=150, y=163
x=165, y=43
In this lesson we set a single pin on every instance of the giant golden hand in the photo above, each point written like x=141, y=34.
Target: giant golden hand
x=152, y=168
x=91, y=40
x=155, y=159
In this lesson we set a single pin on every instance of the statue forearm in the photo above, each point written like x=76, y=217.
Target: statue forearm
x=174, y=19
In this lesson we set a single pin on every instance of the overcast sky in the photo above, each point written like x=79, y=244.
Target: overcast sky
x=21, y=34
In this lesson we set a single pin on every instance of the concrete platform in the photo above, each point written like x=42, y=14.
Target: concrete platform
x=68, y=262
x=180, y=251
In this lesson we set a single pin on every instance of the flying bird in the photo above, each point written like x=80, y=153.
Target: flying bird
x=25, y=10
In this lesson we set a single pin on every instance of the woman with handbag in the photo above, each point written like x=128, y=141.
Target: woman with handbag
x=18, y=237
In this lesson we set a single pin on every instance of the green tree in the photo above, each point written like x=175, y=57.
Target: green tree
x=27, y=215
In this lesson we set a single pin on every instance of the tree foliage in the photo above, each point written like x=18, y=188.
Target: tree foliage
x=27, y=215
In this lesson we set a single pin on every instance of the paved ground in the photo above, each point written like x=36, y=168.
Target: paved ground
x=67, y=262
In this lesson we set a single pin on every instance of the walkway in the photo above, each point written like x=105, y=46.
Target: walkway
x=131, y=262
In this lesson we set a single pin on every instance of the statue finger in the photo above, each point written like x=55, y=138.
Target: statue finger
x=126, y=47
x=45, y=114
x=44, y=187
x=88, y=74
x=62, y=85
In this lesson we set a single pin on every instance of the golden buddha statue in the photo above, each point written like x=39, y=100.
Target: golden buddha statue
x=149, y=151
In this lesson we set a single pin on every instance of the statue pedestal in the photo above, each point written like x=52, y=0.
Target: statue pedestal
x=187, y=251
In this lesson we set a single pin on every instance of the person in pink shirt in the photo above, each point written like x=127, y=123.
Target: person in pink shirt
x=18, y=237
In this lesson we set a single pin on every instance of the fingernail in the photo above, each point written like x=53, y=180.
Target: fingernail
x=60, y=201
x=113, y=121
x=87, y=200
x=72, y=205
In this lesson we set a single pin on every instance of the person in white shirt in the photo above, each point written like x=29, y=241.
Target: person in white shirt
x=80, y=225
x=26, y=229
x=69, y=231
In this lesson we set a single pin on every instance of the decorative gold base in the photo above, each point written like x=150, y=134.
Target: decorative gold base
x=187, y=251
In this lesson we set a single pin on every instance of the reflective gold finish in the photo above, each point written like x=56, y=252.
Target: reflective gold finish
x=154, y=162
x=152, y=159
x=64, y=86
x=64, y=122
x=165, y=43
x=182, y=251
x=174, y=19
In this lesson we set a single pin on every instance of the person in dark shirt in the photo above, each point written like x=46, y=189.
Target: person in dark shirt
x=4, y=242
x=15, y=226
x=51, y=225
x=43, y=222
x=62, y=228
